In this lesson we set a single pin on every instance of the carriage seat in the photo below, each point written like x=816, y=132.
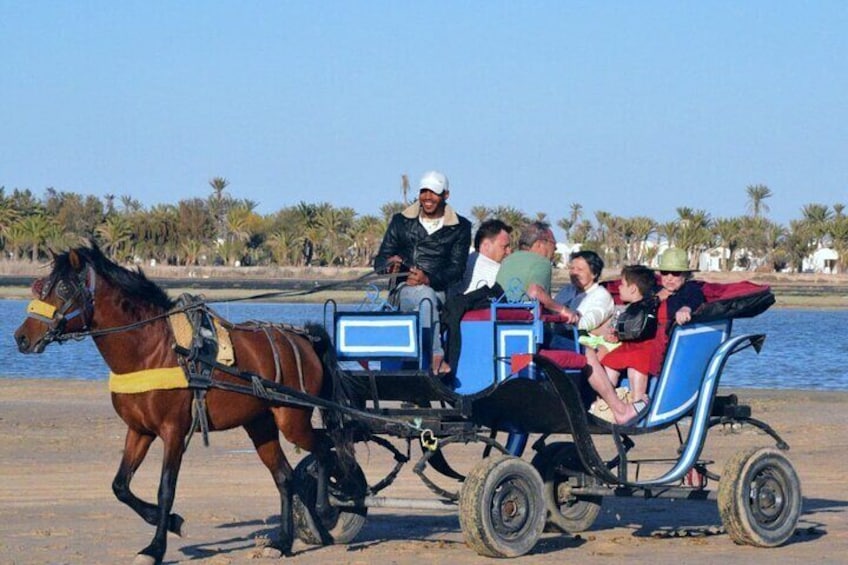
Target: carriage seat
x=689, y=353
x=499, y=341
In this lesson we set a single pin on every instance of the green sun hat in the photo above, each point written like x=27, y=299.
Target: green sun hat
x=676, y=261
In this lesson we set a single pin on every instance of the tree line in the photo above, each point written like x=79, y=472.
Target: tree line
x=224, y=230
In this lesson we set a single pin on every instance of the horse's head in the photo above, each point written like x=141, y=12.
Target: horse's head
x=63, y=303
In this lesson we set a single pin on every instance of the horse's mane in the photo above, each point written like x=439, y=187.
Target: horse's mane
x=133, y=282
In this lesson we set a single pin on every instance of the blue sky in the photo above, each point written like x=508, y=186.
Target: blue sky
x=635, y=108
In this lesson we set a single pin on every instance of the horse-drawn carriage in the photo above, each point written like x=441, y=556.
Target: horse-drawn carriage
x=372, y=383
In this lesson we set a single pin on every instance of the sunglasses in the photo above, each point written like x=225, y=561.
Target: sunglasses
x=675, y=273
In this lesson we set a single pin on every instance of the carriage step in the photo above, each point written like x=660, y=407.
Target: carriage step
x=729, y=407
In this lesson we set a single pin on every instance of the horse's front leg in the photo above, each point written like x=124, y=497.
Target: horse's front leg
x=265, y=436
x=136, y=446
x=174, y=448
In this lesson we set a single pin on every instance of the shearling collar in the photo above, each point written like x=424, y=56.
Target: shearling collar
x=414, y=210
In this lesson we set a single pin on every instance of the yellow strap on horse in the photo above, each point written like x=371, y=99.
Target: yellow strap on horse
x=149, y=379
x=41, y=308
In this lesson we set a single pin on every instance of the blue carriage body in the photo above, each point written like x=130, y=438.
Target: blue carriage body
x=393, y=348
x=505, y=381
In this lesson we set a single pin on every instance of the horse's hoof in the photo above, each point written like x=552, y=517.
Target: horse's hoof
x=273, y=553
x=142, y=559
x=178, y=526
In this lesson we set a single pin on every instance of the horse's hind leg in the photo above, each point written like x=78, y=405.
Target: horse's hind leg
x=266, y=438
x=296, y=425
x=136, y=446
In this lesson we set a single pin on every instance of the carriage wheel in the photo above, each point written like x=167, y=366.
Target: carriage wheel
x=759, y=497
x=501, y=508
x=567, y=512
x=342, y=525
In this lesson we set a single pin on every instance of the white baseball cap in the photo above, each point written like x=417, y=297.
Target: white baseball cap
x=435, y=181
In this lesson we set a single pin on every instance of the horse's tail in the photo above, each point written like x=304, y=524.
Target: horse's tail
x=339, y=387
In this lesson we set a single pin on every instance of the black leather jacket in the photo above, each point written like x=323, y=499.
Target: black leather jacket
x=441, y=255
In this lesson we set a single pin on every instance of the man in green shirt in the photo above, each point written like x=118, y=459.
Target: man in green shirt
x=526, y=274
x=531, y=264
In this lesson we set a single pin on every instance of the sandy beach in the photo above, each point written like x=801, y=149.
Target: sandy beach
x=60, y=443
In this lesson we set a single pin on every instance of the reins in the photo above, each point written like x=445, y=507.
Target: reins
x=317, y=288
x=80, y=335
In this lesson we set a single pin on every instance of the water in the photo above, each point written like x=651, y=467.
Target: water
x=793, y=356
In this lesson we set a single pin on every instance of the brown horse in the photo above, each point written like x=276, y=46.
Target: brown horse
x=86, y=294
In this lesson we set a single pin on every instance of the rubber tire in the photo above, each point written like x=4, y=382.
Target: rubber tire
x=577, y=514
x=345, y=523
x=501, y=507
x=759, y=497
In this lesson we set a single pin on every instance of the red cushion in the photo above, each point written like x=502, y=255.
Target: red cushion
x=561, y=358
x=504, y=315
x=712, y=291
x=723, y=291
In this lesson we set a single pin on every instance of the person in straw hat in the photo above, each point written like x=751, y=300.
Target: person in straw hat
x=679, y=296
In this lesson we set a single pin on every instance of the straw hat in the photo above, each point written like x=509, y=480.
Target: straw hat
x=676, y=261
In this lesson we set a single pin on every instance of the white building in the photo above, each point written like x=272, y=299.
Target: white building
x=823, y=260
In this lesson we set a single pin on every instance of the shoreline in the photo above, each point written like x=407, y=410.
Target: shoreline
x=791, y=290
x=784, y=298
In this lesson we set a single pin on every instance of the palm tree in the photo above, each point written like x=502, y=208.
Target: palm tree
x=797, y=245
x=130, y=205
x=669, y=231
x=817, y=217
x=109, y=202
x=575, y=212
x=195, y=221
x=639, y=230
x=581, y=233
x=404, y=188
x=727, y=232
x=333, y=225
x=839, y=233
x=757, y=193
x=389, y=209
x=602, y=218
x=34, y=231
x=367, y=233
x=512, y=217
x=567, y=224
x=280, y=245
x=115, y=234
x=218, y=205
x=480, y=214
x=615, y=240
x=8, y=216
x=761, y=239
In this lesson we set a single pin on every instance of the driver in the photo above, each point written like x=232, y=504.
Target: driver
x=430, y=242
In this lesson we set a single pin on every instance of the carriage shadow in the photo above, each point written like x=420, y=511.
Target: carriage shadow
x=442, y=530
x=657, y=519
x=663, y=518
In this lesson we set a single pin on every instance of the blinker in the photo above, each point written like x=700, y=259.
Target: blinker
x=41, y=309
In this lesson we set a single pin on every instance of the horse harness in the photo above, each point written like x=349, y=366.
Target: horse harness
x=201, y=357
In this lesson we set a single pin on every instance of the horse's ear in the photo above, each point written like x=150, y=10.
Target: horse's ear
x=74, y=258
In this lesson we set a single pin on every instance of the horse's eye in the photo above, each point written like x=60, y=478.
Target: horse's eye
x=63, y=290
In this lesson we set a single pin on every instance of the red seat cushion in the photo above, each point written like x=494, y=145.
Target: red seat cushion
x=560, y=357
x=504, y=315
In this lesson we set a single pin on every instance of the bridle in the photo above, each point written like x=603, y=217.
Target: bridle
x=77, y=295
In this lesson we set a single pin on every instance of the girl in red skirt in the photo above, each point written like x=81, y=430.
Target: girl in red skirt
x=637, y=284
